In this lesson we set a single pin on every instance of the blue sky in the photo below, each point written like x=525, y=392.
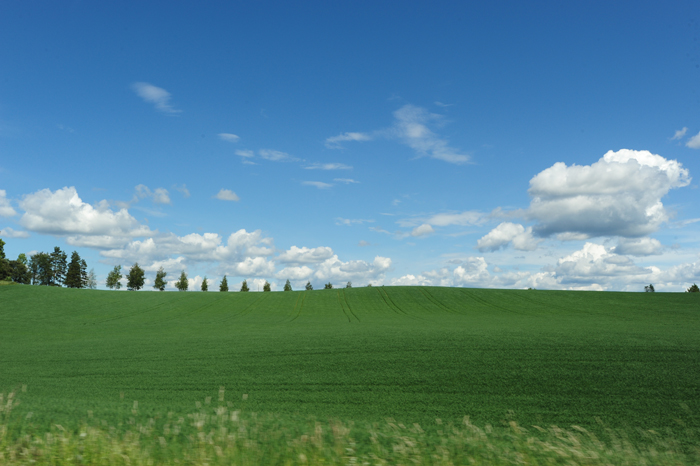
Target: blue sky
x=498, y=144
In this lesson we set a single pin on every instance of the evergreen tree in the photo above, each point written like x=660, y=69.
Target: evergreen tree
x=135, y=278
x=40, y=269
x=92, y=280
x=59, y=264
x=73, y=277
x=244, y=286
x=159, y=283
x=205, y=284
x=309, y=287
x=182, y=284
x=693, y=289
x=224, y=284
x=328, y=286
x=266, y=286
x=287, y=286
x=113, y=278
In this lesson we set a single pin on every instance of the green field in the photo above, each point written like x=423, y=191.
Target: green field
x=411, y=353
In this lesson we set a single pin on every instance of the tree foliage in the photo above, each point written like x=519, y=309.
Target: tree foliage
x=328, y=286
x=205, y=284
x=649, y=288
x=59, y=264
x=159, y=283
x=74, y=277
x=266, y=286
x=135, y=278
x=182, y=284
x=40, y=269
x=244, y=286
x=224, y=284
x=92, y=280
x=693, y=289
x=287, y=286
x=309, y=287
x=349, y=285
x=113, y=278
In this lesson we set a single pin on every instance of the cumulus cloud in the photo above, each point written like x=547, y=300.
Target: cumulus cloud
x=63, y=213
x=158, y=196
x=328, y=166
x=6, y=209
x=304, y=255
x=317, y=184
x=8, y=232
x=422, y=230
x=334, y=141
x=638, y=247
x=157, y=96
x=227, y=195
x=595, y=264
x=229, y=137
x=295, y=274
x=336, y=271
x=508, y=233
x=679, y=134
x=410, y=126
x=694, y=142
x=619, y=195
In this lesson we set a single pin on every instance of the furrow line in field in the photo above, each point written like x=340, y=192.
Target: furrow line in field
x=303, y=298
x=342, y=307
x=385, y=301
x=435, y=301
x=234, y=316
x=349, y=308
x=397, y=307
x=488, y=304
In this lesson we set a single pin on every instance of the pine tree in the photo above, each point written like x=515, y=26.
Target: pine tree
x=224, y=284
x=287, y=286
x=59, y=264
x=309, y=287
x=135, y=278
x=266, y=286
x=114, y=277
x=159, y=283
x=244, y=286
x=693, y=289
x=182, y=284
x=205, y=284
x=73, y=277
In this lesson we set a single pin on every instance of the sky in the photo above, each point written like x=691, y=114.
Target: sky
x=548, y=145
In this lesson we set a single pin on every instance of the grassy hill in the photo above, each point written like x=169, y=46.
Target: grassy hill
x=411, y=353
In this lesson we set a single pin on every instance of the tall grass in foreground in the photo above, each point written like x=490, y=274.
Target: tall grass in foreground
x=216, y=435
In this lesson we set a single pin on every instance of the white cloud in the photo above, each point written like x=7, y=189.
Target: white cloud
x=440, y=104
x=508, y=233
x=295, y=273
x=245, y=153
x=411, y=128
x=158, y=196
x=63, y=213
x=227, y=195
x=679, y=134
x=8, y=232
x=304, y=255
x=328, y=166
x=182, y=189
x=334, y=142
x=6, y=209
x=229, y=137
x=638, y=247
x=275, y=155
x=345, y=180
x=465, y=218
x=351, y=221
x=317, y=184
x=694, y=142
x=364, y=243
x=594, y=264
x=620, y=195
x=422, y=230
x=156, y=96
x=337, y=271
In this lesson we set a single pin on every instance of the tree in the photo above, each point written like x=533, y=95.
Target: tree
x=159, y=283
x=2, y=249
x=83, y=274
x=205, y=284
x=649, y=289
x=19, y=273
x=113, y=278
x=92, y=280
x=135, y=278
x=266, y=286
x=693, y=289
x=287, y=286
x=309, y=287
x=5, y=270
x=73, y=277
x=182, y=284
x=349, y=285
x=23, y=259
x=328, y=286
x=59, y=264
x=224, y=284
x=244, y=286
x=40, y=269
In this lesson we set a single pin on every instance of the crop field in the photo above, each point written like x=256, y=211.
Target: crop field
x=410, y=353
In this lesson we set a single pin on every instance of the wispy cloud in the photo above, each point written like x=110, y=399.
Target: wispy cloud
x=694, y=142
x=276, y=156
x=8, y=232
x=351, y=221
x=328, y=166
x=158, y=196
x=182, y=189
x=245, y=153
x=227, y=195
x=156, y=96
x=317, y=184
x=334, y=141
x=345, y=180
x=679, y=134
x=440, y=104
x=229, y=137
x=422, y=230
x=65, y=128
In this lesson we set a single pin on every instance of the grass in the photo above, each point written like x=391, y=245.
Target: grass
x=627, y=361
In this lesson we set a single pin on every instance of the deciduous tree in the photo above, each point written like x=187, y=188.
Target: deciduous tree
x=349, y=285
x=328, y=286
x=224, y=284
x=159, y=283
x=693, y=289
x=649, y=288
x=309, y=286
x=114, y=277
x=92, y=280
x=182, y=284
x=40, y=269
x=266, y=286
x=135, y=278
